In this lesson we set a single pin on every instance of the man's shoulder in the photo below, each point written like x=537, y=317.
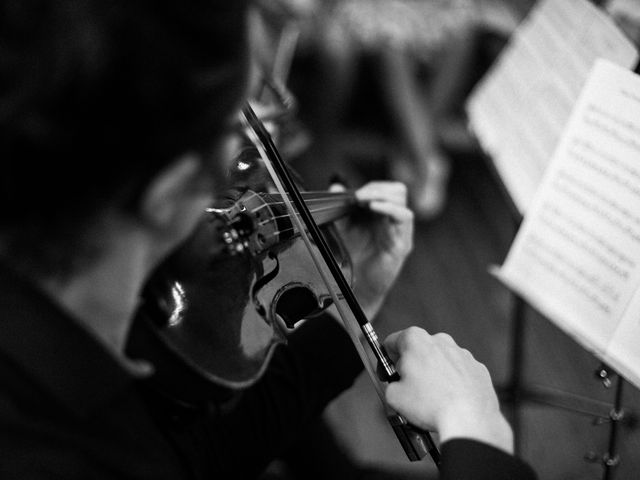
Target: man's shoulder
x=30, y=436
x=20, y=395
x=41, y=438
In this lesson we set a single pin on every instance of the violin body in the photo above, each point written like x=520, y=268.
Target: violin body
x=215, y=310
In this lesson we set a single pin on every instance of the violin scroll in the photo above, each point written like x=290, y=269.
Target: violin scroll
x=249, y=226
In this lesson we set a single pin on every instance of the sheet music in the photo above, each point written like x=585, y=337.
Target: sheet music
x=522, y=104
x=576, y=257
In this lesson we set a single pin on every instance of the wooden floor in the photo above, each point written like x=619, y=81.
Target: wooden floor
x=445, y=286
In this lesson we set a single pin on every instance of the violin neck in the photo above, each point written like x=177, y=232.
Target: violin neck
x=327, y=207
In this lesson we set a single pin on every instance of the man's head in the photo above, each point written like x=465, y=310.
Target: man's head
x=96, y=98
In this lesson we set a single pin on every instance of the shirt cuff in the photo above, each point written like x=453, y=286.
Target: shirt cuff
x=464, y=459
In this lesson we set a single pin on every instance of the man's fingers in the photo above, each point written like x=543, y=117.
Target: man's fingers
x=397, y=213
x=396, y=343
x=393, y=192
x=391, y=345
x=337, y=187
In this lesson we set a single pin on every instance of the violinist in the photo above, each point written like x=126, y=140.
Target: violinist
x=114, y=116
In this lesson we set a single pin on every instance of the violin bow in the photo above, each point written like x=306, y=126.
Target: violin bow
x=415, y=442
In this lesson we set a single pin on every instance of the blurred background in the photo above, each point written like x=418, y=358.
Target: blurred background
x=380, y=88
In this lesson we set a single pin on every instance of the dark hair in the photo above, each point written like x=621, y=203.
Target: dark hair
x=98, y=95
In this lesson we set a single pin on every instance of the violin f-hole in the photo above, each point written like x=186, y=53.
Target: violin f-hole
x=296, y=302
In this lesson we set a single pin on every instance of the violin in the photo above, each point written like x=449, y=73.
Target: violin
x=259, y=236
x=246, y=263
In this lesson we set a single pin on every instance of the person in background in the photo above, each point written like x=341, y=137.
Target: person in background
x=115, y=119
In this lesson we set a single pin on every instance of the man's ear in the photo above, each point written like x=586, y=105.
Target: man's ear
x=175, y=199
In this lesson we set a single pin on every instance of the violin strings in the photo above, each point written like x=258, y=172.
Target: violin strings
x=312, y=200
x=286, y=215
x=309, y=196
x=279, y=232
x=336, y=197
x=253, y=194
x=274, y=204
x=286, y=230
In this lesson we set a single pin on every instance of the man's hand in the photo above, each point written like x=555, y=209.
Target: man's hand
x=378, y=241
x=443, y=388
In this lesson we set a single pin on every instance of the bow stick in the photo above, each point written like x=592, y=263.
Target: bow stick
x=415, y=442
